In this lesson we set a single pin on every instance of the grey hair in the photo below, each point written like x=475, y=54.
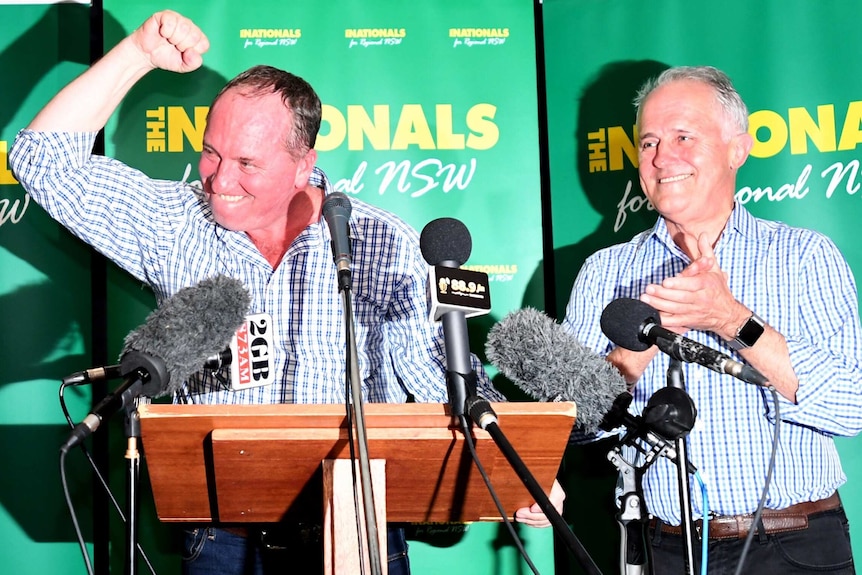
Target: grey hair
x=725, y=94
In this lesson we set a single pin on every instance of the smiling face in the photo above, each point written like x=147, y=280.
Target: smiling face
x=248, y=174
x=688, y=154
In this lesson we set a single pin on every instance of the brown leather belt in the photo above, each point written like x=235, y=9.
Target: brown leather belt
x=793, y=518
x=238, y=531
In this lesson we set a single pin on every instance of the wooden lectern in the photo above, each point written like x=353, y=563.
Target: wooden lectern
x=265, y=463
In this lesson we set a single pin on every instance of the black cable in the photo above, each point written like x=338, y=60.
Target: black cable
x=352, y=447
x=756, y=520
x=80, y=536
x=468, y=439
x=99, y=476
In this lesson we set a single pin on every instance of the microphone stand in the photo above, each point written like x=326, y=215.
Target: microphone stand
x=631, y=516
x=634, y=551
x=354, y=383
x=675, y=380
x=133, y=470
x=483, y=415
x=668, y=416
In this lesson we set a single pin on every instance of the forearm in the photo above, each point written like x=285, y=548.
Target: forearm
x=166, y=40
x=771, y=357
x=631, y=363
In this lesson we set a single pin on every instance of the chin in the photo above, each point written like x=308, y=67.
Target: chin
x=226, y=223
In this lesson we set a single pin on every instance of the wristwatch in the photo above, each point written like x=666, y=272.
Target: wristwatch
x=748, y=334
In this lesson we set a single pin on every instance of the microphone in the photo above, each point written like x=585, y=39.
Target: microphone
x=171, y=345
x=534, y=351
x=636, y=326
x=541, y=358
x=336, y=211
x=93, y=375
x=446, y=245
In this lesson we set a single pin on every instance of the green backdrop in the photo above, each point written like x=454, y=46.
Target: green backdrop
x=441, y=96
x=790, y=60
x=44, y=306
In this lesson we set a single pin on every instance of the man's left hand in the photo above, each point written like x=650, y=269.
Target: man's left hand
x=534, y=516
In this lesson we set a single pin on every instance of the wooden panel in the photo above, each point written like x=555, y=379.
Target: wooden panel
x=261, y=463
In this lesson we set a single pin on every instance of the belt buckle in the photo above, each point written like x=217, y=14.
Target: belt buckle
x=270, y=541
x=283, y=539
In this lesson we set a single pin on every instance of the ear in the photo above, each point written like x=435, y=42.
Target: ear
x=740, y=147
x=304, y=167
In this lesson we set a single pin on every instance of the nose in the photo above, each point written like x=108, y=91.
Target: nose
x=223, y=178
x=662, y=154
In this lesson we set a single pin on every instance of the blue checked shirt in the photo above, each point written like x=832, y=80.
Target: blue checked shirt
x=798, y=282
x=162, y=232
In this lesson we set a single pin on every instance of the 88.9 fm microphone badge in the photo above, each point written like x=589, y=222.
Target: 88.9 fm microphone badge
x=457, y=289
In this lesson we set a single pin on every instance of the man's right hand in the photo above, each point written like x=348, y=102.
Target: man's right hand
x=170, y=41
x=167, y=40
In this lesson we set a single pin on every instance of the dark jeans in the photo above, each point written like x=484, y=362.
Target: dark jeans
x=822, y=548
x=212, y=551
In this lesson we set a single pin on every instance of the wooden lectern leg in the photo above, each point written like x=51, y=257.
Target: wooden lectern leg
x=340, y=544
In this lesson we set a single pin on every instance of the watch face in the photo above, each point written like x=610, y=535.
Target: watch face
x=751, y=331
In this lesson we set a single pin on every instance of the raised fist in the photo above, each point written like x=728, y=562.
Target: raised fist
x=171, y=41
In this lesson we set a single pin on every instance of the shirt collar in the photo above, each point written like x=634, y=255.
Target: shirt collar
x=740, y=223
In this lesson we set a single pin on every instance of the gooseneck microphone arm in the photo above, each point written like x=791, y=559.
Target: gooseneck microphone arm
x=336, y=210
x=355, y=410
x=483, y=415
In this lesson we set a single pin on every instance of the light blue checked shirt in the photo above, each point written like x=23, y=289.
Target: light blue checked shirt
x=162, y=232
x=798, y=282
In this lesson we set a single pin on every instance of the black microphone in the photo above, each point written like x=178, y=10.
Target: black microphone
x=446, y=245
x=636, y=326
x=94, y=374
x=336, y=211
x=534, y=351
x=171, y=345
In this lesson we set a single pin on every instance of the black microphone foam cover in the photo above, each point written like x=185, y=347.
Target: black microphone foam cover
x=337, y=202
x=445, y=240
x=534, y=351
x=190, y=326
x=623, y=319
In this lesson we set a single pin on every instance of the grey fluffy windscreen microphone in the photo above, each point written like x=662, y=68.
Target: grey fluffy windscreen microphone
x=190, y=326
x=534, y=351
x=174, y=342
